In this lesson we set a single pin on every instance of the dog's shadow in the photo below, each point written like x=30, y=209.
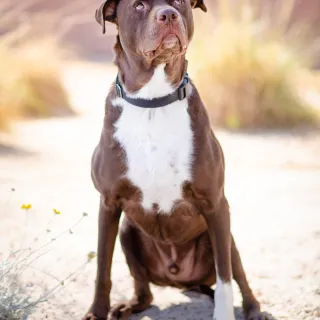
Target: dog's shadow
x=198, y=308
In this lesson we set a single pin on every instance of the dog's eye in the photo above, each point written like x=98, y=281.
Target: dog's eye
x=139, y=5
x=178, y=2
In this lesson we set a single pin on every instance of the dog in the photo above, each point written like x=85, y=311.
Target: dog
x=159, y=162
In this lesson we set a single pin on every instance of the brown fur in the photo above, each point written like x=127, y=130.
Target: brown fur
x=181, y=249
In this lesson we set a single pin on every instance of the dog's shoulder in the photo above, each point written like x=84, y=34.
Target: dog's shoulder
x=204, y=136
x=106, y=164
x=208, y=158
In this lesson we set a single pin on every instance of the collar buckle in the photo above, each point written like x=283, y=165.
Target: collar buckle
x=182, y=93
x=119, y=90
x=182, y=90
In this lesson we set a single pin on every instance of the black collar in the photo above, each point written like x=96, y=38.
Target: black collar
x=178, y=94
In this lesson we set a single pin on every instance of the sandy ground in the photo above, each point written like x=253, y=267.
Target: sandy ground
x=272, y=183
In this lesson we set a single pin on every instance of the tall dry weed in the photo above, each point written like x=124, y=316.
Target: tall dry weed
x=248, y=67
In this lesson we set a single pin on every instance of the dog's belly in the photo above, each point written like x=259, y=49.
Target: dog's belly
x=176, y=248
x=179, y=265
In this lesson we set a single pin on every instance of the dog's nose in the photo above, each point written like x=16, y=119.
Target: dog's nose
x=167, y=16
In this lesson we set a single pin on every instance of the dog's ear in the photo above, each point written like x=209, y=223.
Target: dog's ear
x=107, y=12
x=199, y=4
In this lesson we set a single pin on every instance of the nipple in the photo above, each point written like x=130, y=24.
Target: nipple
x=173, y=268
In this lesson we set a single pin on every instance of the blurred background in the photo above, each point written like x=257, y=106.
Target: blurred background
x=257, y=67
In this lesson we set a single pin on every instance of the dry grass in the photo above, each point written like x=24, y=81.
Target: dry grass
x=21, y=292
x=248, y=67
x=30, y=85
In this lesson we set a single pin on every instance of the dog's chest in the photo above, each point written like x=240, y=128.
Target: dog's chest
x=158, y=145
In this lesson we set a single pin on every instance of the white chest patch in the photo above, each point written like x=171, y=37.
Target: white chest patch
x=158, y=144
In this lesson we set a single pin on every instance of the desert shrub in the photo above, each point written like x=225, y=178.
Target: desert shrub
x=19, y=296
x=31, y=58
x=30, y=83
x=248, y=68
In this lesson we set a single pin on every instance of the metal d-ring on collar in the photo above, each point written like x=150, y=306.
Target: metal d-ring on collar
x=178, y=94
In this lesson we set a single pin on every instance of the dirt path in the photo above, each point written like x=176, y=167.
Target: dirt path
x=277, y=231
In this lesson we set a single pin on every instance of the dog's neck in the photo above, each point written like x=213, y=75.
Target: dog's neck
x=135, y=71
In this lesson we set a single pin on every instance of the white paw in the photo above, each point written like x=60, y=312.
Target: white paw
x=223, y=297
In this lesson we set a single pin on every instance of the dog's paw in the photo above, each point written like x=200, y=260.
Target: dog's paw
x=92, y=316
x=223, y=300
x=258, y=315
x=121, y=311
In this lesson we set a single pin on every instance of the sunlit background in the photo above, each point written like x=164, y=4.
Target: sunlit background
x=257, y=67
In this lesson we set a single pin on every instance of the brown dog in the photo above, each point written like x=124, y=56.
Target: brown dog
x=159, y=162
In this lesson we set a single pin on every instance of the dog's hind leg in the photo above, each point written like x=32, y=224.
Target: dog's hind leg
x=142, y=297
x=202, y=289
x=251, y=306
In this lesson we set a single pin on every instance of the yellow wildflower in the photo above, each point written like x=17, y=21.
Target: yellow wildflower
x=91, y=256
x=26, y=206
x=57, y=212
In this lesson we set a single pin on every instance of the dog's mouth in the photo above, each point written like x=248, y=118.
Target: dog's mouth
x=170, y=42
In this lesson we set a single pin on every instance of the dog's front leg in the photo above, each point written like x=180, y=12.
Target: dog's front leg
x=218, y=222
x=109, y=216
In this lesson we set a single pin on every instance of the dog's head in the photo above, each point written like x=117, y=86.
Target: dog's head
x=152, y=29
